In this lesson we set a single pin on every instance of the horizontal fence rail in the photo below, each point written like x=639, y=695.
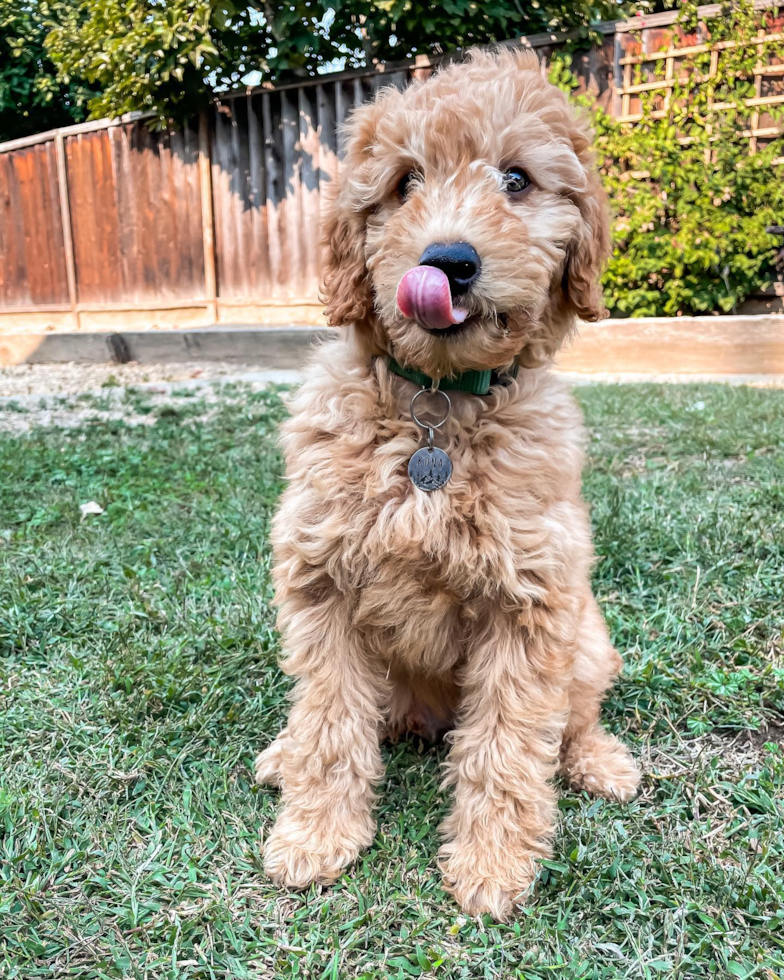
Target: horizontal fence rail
x=221, y=218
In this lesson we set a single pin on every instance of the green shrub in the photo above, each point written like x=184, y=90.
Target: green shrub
x=690, y=217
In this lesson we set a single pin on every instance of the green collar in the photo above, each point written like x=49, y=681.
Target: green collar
x=473, y=382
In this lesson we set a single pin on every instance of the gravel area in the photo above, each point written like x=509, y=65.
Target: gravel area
x=64, y=379
x=53, y=394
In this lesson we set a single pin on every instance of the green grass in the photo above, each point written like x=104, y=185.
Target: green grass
x=138, y=679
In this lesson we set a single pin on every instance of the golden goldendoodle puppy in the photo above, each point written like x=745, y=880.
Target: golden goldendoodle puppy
x=436, y=577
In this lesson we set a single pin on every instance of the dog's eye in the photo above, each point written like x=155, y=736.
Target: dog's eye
x=516, y=180
x=404, y=184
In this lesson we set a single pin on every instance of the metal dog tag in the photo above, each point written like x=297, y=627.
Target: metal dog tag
x=430, y=468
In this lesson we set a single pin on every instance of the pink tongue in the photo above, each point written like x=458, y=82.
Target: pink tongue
x=423, y=294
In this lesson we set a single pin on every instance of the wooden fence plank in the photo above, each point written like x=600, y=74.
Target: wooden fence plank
x=309, y=182
x=292, y=161
x=65, y=219
x=127, y=204
x=207, y=228
x=327, y=112
x=258, y=243
x=276, y=219
x=221, y=178
x=239, y=194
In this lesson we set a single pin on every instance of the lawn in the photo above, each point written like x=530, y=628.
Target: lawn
x=138, y=678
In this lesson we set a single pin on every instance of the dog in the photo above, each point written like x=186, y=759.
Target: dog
x=466, y=235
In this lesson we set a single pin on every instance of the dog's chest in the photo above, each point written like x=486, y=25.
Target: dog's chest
x=426, y=572
x=487, y=534
x=419, y=567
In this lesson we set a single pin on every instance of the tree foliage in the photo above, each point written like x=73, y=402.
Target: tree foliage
x=168, y=58
x=32, y=98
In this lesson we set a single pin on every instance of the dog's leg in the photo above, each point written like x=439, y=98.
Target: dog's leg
x=591, y=758
x=329, y=757
x=504, y=755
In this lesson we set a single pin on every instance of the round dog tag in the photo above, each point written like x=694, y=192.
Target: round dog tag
x=430, y=468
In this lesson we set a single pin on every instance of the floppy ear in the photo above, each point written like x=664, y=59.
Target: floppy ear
x=346, y=294
x=587, y=256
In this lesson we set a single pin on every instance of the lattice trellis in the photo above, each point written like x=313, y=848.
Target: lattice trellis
x=642, y=47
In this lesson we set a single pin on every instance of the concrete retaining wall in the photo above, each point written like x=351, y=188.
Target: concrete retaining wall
x=726, y=345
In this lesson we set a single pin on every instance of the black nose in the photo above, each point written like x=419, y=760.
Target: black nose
x=459, y=261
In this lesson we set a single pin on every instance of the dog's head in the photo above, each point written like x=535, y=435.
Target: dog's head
x=468, y=228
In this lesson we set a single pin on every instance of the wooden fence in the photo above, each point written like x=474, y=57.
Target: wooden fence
x=108, y=223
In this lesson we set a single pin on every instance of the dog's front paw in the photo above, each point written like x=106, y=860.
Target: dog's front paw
x=484, y=883
x=302, y=849
x=602, y=765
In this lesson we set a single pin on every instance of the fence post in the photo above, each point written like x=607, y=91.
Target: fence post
x=65, y=219
x=207, y=224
